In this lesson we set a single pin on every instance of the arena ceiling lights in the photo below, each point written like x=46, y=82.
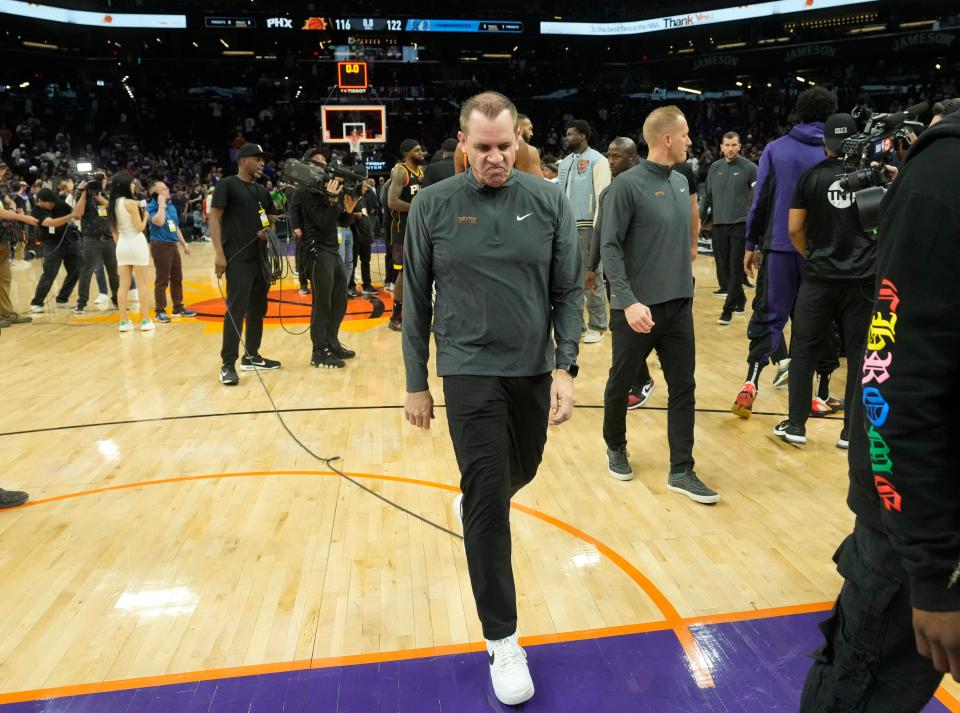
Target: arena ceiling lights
x=692, y=19
x=93, y=19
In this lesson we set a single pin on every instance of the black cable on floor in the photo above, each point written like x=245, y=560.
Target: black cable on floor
x=327, y=460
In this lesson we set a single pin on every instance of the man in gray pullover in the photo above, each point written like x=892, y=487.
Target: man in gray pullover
x=646, y=249
x=501, y=247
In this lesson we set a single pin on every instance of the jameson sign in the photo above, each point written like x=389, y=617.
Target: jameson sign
x=823, y=50
x=719, y=60
x=924, y=39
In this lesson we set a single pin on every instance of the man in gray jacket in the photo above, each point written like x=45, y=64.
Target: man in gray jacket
x=646, y=249
x=501, y=247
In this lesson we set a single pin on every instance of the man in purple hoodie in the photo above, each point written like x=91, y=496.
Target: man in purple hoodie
x=778, y=281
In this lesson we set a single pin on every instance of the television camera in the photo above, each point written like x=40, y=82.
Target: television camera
x=865, y=156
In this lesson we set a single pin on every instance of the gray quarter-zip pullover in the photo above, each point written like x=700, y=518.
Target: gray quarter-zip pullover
x=507, y=267
x=645, y=236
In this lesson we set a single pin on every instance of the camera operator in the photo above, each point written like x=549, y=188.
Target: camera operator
x=98, y=248
x=314, y=217
x=943, y=108
x=895, y=628
x=61, y=246
x=840, y=267
x=8, y=315
x=239, y=219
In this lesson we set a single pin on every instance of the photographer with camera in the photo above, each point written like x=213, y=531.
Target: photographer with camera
x=8, y=314
x=61, y=246
x=315, y=214
x=840, y=266
x=240, y=215
x=98, y=249
x=895, y=627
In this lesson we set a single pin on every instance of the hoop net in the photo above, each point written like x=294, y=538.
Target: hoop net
x=355, y=140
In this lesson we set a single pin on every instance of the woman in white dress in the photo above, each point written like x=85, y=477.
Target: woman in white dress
x=128, y=221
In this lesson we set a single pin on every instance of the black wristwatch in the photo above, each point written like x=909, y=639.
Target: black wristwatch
x=571, y=369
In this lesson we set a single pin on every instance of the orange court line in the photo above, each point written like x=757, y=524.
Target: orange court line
x=699, y=664
x=944, y=696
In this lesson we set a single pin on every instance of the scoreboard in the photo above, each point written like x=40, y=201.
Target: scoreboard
x=380, y=24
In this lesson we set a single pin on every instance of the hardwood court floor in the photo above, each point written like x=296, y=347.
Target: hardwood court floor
x=177, y=528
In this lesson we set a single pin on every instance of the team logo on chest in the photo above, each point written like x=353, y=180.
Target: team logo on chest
x=838, y=197
x=582, y=165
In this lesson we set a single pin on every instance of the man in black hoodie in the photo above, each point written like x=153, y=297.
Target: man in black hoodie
x=895, y=628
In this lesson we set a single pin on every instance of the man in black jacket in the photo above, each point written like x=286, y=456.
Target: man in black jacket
x=895, y=628
x=839, y=270
x=442, y=168
x=314, y=218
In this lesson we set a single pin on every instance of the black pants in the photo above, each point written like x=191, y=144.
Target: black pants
x=361, y=256
x=673, y=338
x=818, y=306
x=721, y=255
x=329, y=293
x=733, y=238
x=869, y=661
x=303, y=271
x=499, y=427
x=97, y=252
x=67, y=253
x=246, y=298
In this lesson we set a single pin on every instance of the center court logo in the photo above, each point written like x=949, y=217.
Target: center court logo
x=838, y=197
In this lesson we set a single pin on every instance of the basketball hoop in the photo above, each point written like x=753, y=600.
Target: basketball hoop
x=355, y=140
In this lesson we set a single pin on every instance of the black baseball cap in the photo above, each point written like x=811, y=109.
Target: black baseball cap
x=248, y=150
x=449, y=145
x=838, y=128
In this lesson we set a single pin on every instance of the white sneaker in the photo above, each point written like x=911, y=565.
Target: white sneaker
x=134, y=296
x=64, y=305
x=458, y=508
x=147, y=325
x=592, y=336
x=36, y=308
x=509, y=672
x=102, y=299
x=126, y=326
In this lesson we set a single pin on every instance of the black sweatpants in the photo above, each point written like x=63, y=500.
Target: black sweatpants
x=66, y=253
x=329, y=293
x=246, y=298
x=97, y=252
x=730, y=263
x=303, y=272
x=720, y=240
x=869, y=661
x=818, y=306
x=673, y=338
x=499, y=427
x=362, y=247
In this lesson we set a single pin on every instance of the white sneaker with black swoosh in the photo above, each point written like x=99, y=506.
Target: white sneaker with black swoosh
x=509, y=672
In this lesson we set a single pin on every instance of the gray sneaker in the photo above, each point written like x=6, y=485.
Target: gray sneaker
x=687, y=483
x=618, y=464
